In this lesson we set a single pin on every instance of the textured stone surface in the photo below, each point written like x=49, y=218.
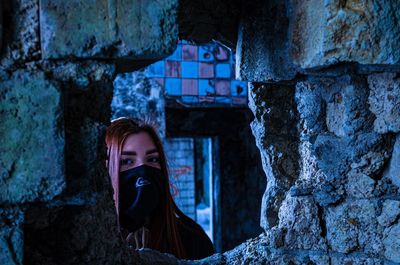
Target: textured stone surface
x=390, y=213
x=327, y=139
x=340, y=155
x=298, y=218
x=324, y=33
x=136, y=95
x=393, y=170
x=353, y=226
x=21, y=41
x=356, y=260
x=11, y=236
x=384, y=101
x=76, y=234
x=87, y=111
x=108, y=29
x=271, y=104
x=32, y=138
x=265, y=55
x=302, y=37
x=204, y=21
x=1, y=25
x=391, y=241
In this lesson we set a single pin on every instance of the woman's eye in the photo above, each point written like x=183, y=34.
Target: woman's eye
x=154, y=160
x=126, y=162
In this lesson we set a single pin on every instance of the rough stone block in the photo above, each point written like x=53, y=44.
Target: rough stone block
x=31, y=139
x=353, y=226
x=264, y=56
x=345, y=111
x=22, y=32
x=355, y=260
x=136, y=95
x=384, y=101
x=310, y=105
x=393, y=170
x=328, y=32
x=277, y=141
x=338, y=104
x=1, y=24
x=298, y=216
x=391, y=241
x=299, y=37
x=390, y=213
x=11, y=236
x=359, y=185
x=76, y=234
x=338, y=149
x=108, y=28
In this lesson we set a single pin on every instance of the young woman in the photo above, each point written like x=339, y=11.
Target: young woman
x=147, y=214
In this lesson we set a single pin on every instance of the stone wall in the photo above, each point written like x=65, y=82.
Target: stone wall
x=325, y=97
x=56, y=87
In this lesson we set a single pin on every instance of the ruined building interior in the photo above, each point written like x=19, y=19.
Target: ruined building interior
x=280, y=120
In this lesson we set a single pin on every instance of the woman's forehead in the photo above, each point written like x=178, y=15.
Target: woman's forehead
x=138, y=141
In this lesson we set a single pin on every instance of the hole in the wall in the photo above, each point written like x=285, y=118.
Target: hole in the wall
x=203, y=115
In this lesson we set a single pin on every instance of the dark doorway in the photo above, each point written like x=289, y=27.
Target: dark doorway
x=238, y=179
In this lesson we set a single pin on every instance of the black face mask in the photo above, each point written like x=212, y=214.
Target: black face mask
x=140, y=192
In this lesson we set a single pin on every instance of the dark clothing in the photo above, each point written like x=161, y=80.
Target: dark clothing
x=195, y=241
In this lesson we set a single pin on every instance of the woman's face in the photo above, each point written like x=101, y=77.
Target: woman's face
x=139, y=149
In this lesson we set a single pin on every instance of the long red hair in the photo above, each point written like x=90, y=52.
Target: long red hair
x=164, y=234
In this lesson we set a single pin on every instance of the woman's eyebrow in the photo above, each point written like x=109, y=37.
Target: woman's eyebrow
x=132, y=153
x=151, y=151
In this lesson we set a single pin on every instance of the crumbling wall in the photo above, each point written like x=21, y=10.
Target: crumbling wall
x=324, y=93
x=326, y=103
x=57, y=67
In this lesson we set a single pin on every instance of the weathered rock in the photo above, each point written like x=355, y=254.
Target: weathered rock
x=360, y=185
x=108, y=29
x=264, y=56
x=136, y=95
x=391, y=241
x=393, y=170
x=205, y=21
x=356, y=260
x=32, y=139
x=279, y=154
x=353, y=226
x=1, y=25
x=299, y=218
x=390, y=213
x=20, y=41
x=300, y=37
x=384, y=101
x=346, y=111
x=325, y=33
x=80, y=74
x=11, y=236
x=338, y=151
x=64, y=233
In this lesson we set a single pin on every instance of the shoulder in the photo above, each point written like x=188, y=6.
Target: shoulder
x=195, y=240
